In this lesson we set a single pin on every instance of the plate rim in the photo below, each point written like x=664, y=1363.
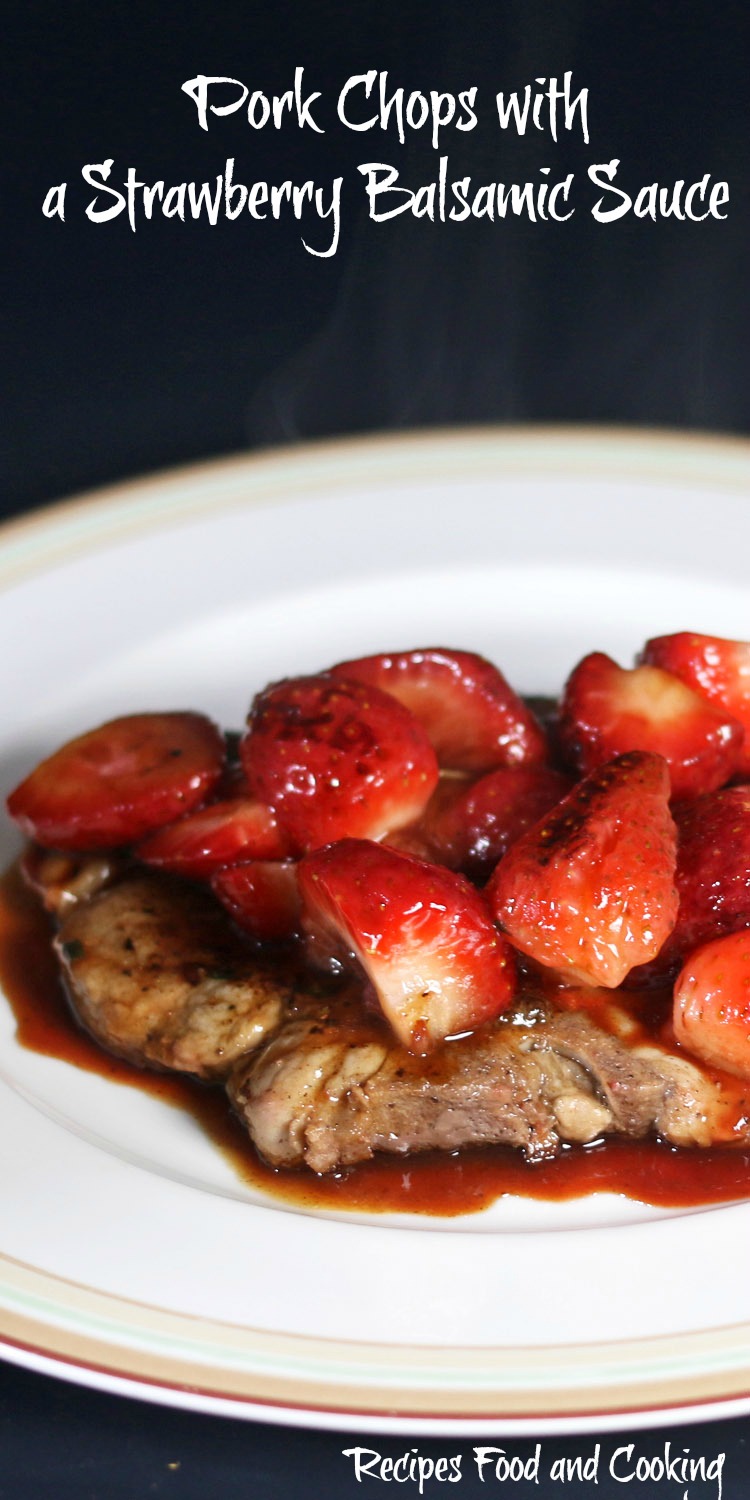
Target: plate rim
x=268, y=1372
x=74, y=523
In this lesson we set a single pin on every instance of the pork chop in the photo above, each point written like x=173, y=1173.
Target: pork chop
x=62, y=880
x=156, y=973
x=332, y=1088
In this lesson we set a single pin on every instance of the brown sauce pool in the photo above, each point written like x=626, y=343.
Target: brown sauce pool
x=434, y=1183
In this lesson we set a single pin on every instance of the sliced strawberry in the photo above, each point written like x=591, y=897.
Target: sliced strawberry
x=420, y=838
x=421, y=933
x=471, y=829
x=262, y=896
x=472, y=717
x=712, y=1004
x=608, y=710
x=590, y=890
x=334, y=758
x=712, y=875
x=718, y=669
x=121, y=781
x=713, y=867
x=221, y=834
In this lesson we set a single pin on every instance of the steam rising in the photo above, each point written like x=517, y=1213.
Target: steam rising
x=515, y=321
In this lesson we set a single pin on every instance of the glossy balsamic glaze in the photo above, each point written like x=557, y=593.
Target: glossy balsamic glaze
x=432, y=1183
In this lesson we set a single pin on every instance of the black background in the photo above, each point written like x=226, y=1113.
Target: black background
x=126, y=352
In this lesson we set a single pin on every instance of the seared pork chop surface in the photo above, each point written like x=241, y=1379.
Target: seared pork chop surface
x=155, y=971
x=331, y=1088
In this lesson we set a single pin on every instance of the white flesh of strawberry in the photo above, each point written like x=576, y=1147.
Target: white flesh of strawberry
x=655, y=695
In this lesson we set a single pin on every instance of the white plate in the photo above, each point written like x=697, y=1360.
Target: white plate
x=131, y=1257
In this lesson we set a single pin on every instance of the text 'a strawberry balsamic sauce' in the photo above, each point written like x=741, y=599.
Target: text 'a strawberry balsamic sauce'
x=445, y=1184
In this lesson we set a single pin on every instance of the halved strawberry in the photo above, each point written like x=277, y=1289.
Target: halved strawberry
x=422, y=934
x=718, y=669
x=471, y=829
x=420, y=838
x=334, y=759
x=472, y=717
x=590, y=890
x=712, y=1004
x=262, y=896
x=120, y=781
x=608, y=710
x=712, y=874
x=221, y=834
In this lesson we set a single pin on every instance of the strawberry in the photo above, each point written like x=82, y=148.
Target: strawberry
x=590, y=890
x=471, y=827
x=223, y=833
x=607, y=710
x=262, y=896
x=333, y=759
x=716, y=668
x=472, y=717
x=422, y=839
x=120, y=781
x=422, y=934
x=712, y=875
x=712, y=1004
